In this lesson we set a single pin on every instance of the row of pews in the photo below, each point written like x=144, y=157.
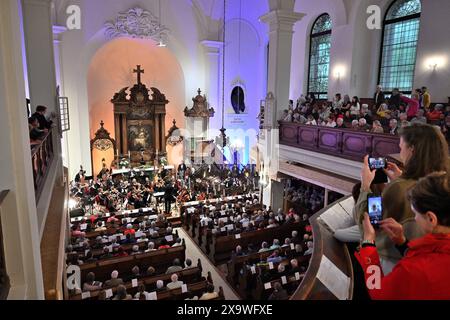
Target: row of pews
x=250, y=275
x=89, y=248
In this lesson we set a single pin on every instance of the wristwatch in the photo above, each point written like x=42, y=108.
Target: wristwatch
x=368, y=243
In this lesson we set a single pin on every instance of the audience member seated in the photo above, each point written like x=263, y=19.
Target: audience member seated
x=91, y=284
x=174, y=284
x=210, y=294
x=176, y=267
x=279, y=293
x=121, y=293
x=114, y=281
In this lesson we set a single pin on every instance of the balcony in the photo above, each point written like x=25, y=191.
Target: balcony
x=41, y=158
x=343, y=143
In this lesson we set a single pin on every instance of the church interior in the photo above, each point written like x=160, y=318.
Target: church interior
x=252, y=150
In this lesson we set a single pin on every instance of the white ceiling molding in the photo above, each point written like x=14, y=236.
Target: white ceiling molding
x=136, y=23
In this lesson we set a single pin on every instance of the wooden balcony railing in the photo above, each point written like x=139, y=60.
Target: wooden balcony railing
x=42, y=157
x=4, y=280
x=330, y=272
x=343, y=143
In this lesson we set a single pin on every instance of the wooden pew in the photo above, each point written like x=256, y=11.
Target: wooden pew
x=222, y=247
x=159, y=259
x=190, y=275
x=328, y=252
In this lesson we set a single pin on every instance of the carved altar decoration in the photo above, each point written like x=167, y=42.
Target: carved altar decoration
x=136, y=23
x=174, y=137
x=197, y=122
x=140, y=122
x=102, y=145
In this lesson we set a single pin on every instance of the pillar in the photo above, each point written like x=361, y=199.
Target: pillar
x=38, y=32
x=281, y=20
x=19, y=214
x=213, y=88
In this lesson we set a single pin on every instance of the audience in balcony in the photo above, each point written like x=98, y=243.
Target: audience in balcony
x=404, y=110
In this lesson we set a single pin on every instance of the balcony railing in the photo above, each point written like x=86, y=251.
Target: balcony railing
x=343, y=143
x=42, y=157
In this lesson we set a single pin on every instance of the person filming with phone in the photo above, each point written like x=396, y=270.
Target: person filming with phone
x=422, y=274
x=423, y=150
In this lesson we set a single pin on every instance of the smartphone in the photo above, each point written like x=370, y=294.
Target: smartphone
x=375, y=210
x=377, y=163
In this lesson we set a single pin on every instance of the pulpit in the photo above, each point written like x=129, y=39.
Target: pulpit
x=197, y=122
x=140, y=122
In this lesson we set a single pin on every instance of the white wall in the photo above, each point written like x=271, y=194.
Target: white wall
x=188, y=24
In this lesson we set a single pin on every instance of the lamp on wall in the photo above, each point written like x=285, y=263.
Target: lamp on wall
x=339, y=72
x=433, y=63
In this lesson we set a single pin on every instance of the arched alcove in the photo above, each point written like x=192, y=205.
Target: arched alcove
x=111, y=69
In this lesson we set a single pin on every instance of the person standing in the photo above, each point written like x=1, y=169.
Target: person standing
x=379, y=97
x=426, y=99
x=169, y=197
x=40, y=115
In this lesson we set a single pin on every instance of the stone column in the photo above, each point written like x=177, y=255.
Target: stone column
x=214, y=50
x=38, y=32
x=325, y=202
x=57, y=32
x=19, y=214
x=281, y=20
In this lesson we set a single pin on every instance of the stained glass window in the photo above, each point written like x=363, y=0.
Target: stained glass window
x=319, y=57
x=399, y=48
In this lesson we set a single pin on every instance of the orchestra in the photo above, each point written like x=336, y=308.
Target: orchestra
x=128, y=191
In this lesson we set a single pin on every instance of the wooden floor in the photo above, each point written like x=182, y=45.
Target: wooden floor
x=193, y=252
x=50, y=245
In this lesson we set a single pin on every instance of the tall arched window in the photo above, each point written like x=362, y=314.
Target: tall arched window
x=399, y=47
x=319, y=57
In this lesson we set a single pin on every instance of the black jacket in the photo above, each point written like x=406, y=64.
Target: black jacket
x=43, y=122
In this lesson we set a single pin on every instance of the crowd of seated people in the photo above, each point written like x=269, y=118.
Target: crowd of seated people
x=307, y=197
x=384, y=115
x=411, y=245
x=229, y=219
x=266, y=263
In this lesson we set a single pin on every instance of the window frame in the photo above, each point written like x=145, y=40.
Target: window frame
x=311, y=38
x=387, y=22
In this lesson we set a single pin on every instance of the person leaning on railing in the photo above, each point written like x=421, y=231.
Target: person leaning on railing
x=422, y=274
x=424, y=150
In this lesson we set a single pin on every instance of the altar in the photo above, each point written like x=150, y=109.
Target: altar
x=140, y=123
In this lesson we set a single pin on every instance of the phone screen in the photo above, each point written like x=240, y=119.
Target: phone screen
x=375, y=210
x=377, y=163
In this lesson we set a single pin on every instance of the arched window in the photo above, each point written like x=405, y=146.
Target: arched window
x=319, y=57
x=399, y=47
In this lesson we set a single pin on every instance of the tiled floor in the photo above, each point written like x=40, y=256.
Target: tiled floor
x=193, y=252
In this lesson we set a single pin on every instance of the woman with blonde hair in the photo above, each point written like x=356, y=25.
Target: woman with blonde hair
x=424, y=150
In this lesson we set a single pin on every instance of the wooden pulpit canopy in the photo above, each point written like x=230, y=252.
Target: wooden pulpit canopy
x=200, y=108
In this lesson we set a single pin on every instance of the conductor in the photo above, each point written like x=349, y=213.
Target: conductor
x=169, y=197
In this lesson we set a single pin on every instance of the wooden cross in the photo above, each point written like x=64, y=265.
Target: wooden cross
x=138, y=71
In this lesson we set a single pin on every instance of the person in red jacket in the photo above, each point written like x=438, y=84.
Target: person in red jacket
x=413, y=105
x=423, y=272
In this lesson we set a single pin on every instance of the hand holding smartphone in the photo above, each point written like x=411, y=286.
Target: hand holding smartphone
x=377, y=163
x=375, y=210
